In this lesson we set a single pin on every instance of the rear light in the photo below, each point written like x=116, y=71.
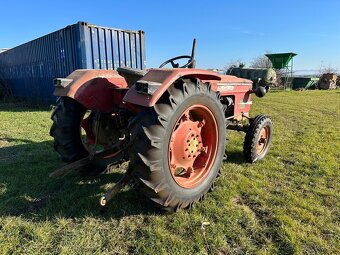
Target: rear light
x=147, y=87
x=62, y=82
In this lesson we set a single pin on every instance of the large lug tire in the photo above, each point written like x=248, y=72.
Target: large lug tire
x=2, y=91
x=258, y=138
x=172, y=130
x=65, y=129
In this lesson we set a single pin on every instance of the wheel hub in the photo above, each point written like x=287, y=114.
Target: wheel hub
x=97, y=134
x=189, y=143
x=186, y=144
x=193, y=144
x=262, y=142
x=86, y=125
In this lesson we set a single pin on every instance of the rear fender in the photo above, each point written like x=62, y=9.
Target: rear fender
x=94, y=89
x=162, y=79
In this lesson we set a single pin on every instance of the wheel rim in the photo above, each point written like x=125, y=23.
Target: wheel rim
x=87, y=134
x=263, y=140
x=193, y=146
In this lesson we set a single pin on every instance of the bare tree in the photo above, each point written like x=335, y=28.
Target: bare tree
x=328, y=69
x=261, y=62
x=234, y=63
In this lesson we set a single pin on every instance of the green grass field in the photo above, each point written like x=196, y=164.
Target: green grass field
x=287, y=204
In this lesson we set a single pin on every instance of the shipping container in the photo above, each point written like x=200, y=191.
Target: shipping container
x=305, y=83
x=29, y=69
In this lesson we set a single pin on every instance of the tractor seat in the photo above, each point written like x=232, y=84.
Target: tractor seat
x=131, y=75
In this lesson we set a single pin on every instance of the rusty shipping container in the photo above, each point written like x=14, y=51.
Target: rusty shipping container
x=28, y=70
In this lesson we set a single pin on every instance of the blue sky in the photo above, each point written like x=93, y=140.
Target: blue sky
x=225, y=30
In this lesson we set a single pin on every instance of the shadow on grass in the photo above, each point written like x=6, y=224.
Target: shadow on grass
x=23, y=105
x=27, y=191
x=235, y=157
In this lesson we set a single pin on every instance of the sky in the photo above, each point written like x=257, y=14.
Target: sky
x=225, y=30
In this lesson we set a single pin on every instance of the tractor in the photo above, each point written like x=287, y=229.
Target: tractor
x=169, y=123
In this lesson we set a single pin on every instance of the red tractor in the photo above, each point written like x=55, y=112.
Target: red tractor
x=169, y=123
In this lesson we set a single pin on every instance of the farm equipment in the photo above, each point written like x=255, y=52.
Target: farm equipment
x=328, y=81
x=259, y=76
x=169, y=123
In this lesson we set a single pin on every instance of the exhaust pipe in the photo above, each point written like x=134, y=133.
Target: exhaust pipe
x=193, y=63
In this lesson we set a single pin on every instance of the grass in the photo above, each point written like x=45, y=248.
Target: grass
x=286, y=204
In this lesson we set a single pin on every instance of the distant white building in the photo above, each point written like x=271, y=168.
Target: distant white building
x=219, y=71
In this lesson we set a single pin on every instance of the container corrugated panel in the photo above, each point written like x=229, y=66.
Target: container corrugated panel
x=29, y=69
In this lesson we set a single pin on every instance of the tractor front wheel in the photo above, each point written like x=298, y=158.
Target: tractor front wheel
x=258, y=138
x=179, y=145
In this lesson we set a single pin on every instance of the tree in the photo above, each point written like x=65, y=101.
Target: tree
x=329, y=69
x=261, y=62
x=234, y=63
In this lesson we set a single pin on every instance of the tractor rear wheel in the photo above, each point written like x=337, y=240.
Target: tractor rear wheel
x=258, y=138
x=66, y=129
x=2, y=90
x=179, y=144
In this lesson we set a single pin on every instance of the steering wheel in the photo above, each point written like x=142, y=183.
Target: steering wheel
x=176, y=65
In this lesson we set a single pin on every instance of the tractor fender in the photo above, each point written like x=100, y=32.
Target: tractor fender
x=93, y=89
x=162, y=79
